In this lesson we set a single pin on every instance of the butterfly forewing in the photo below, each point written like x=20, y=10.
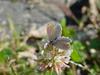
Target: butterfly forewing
x=53, y=31
x=62, y=43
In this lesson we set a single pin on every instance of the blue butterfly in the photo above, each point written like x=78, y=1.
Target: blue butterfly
x=54, y=37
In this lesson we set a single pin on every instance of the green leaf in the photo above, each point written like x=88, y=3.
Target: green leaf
x=67, y=32
x=92, y=72
x=77, y=55
x=49, y=72
x=95, y=43
x=5, y=54
x=69, y=72
x=63, y=22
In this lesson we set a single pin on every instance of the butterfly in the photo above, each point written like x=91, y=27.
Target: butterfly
x=54, y=32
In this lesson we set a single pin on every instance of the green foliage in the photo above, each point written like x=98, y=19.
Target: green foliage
x=67, y=32
x=95, y=43
x=50, y=72
x=77, y=54
x=5, y=54
x=69, y=72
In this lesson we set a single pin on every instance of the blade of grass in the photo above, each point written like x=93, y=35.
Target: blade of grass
x=15, y=34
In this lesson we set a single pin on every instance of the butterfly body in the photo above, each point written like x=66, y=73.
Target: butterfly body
x=54, y=41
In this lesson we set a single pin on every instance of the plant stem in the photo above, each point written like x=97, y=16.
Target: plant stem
x=74, y=69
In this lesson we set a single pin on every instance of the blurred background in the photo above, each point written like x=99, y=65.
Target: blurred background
x=23, y=25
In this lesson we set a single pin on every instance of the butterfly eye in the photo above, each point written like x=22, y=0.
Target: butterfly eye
x=53, y=31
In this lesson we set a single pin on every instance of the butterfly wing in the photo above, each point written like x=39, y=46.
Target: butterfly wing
x=53, y=31
x=62, y=43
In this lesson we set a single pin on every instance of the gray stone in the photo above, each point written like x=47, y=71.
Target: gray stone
x=26, y=16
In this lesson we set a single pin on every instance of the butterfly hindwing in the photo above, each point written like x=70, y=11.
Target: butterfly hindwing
x=62, y=43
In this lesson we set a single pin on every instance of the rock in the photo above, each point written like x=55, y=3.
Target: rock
x=52, y=11
x=16, y=11
x=25, y=17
